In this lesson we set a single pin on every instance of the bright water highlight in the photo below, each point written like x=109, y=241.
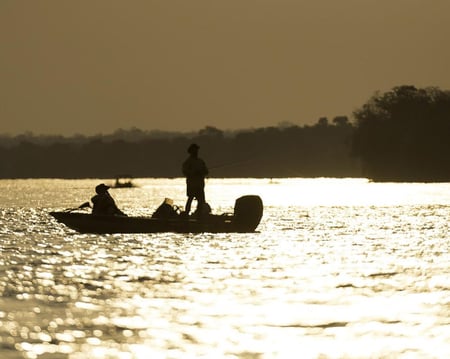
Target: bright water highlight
x=339, y=268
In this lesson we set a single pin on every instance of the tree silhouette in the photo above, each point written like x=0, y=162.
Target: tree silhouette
x=402, y=135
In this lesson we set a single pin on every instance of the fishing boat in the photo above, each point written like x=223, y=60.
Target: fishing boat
x=248, y=211
x=123, y=181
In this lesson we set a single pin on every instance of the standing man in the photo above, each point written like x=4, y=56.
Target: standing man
x=195, y=170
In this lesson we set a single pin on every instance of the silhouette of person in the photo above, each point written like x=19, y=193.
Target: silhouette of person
x=195, y=170
x=104, y=204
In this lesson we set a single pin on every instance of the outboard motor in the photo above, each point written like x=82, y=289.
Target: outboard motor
x=248, y=211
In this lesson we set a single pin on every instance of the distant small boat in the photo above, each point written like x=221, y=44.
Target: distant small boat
x=123, y=181
x=248, y=211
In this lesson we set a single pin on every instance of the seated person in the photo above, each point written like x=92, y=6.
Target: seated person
x=103, y=202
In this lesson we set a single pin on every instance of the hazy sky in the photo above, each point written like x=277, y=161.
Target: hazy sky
x=89, y=66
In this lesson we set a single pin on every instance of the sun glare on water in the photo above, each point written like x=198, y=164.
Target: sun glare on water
x=338, y=268
x=333, y=192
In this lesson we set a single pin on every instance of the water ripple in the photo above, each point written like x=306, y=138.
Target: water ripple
x=324, y=281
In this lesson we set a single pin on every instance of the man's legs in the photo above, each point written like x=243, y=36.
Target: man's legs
x=200, y=201
x=187, y=209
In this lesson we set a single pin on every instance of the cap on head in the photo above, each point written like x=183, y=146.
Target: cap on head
x=101, y=188
x=193, y=148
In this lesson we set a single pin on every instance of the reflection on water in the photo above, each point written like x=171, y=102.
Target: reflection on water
x=337, y=269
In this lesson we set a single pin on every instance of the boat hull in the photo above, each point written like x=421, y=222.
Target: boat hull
x=89, y=223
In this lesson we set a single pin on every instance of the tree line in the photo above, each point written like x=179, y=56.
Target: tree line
x=283, y=151
x=399, y=135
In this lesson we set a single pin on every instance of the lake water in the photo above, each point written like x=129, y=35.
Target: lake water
x=339, y=268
